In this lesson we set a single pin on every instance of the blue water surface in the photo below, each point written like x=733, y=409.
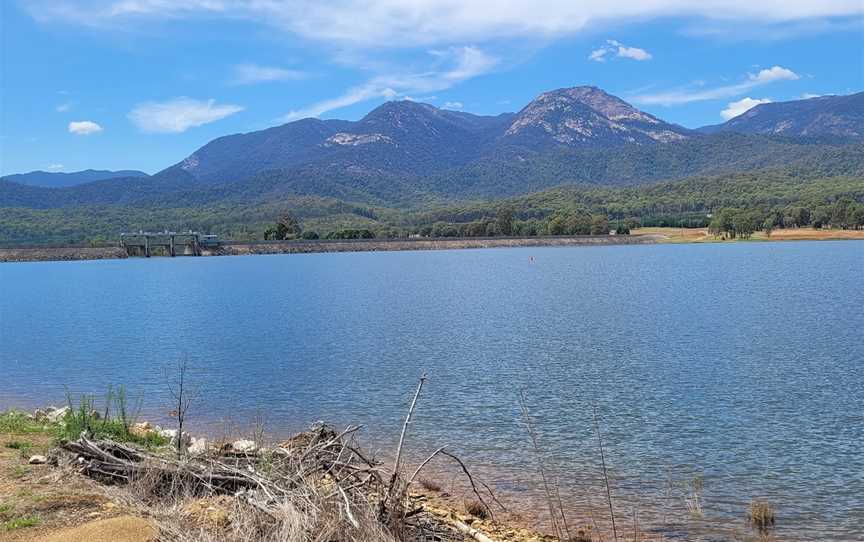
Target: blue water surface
x=737, y=364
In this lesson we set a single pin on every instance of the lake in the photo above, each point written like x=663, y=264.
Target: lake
x=737, y=367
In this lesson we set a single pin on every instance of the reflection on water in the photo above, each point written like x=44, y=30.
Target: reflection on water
x=739, y=364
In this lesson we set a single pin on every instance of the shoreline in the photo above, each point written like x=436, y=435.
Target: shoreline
x=40, y=445
x=231, y=248
x=647, y=236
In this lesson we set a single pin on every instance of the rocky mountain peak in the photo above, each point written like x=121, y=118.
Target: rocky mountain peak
x=609, y=106
x=588, y=116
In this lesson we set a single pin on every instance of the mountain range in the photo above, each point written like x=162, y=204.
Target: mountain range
x=818, y=117
x=57, y=179
x=405, y=154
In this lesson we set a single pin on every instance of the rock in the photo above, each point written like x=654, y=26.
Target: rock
x=56, y=415
x=40, y=415
x=243, y=446
x=171, y=435
x=141, y=429
x=37, y=460
x=197, y=446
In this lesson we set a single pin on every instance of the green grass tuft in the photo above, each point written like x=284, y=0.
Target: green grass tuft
x=21, y=523
x=111, y=424
x=19, y=471
x=24, y=448
x=15, y=422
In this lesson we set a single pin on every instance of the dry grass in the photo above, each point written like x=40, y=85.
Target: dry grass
x=476, y=509
x=680, y=235
x=701, y=235
x=760, y=514
x=297, y=520
x=811, y=234
x=430, y=485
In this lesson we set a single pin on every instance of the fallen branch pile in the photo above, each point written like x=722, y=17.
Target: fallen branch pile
x=317, y=482
x=318, y=485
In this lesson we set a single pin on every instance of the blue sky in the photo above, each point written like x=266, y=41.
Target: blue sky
x=141, y=84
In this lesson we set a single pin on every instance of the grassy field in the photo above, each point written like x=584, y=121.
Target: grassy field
x=701, y=235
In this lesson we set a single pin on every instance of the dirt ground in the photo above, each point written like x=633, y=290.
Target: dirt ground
x=701, y=235
x=44, y=503
x=40, y=502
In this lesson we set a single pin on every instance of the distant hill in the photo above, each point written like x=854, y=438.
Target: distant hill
x=50, y=179
x=821, y=117
x=410, y=155
x=663, y=203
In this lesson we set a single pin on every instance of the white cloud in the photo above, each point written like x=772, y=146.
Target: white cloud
x=777, y=73
x=249, y=74
x=84, y=127
x=350, y=97
x=420, y=99
x=400, y=23
x=634, y=52
x=808, y=95
x=618, y=49
x=53, y=167
x=598, y=55
x=452, y=105
x=677, y=97
x=756, y=30
x=179, y=114
x=464, y=63
x=733, y=109
x=62, y=108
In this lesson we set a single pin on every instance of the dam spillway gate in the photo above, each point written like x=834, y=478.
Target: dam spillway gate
x=167, y=243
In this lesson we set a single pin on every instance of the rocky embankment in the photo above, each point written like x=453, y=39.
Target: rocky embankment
x=374, y=245
x=53, y=254
x=40, y=254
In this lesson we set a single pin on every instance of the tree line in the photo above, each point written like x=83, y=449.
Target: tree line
x=509, y=221
x=845, y=214
x=783, y=198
